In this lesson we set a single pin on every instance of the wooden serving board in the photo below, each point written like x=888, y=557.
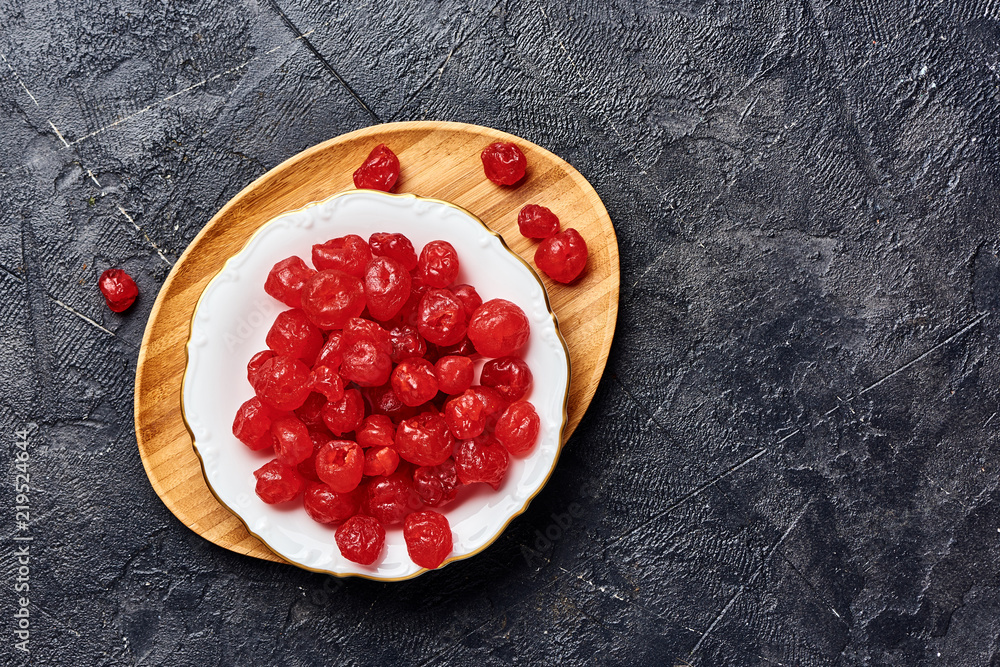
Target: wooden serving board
x=439, y=160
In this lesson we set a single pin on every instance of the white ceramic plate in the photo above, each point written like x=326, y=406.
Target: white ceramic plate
x=232, y=320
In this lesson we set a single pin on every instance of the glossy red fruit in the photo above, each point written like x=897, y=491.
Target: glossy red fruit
x=307, y=469
x=292, y=443
x=256, y=361
x=406, y=343
x=481, y=460
x=325, y=505
x=340, y=465
x=387, y=287
x=380, y=461
x=466, y=415
x=517, y=429
x=503, y=163
x=509, y=376
x=493, y=403
x=424, y=440
x=278, y=482
x=360, y=539
x=311, y=411
x=463, y=348
x=428, y=538
x=377, y=431
x=379, y=171
x=286, y=280
x=328, y=383
x=349, y=254
x=331, y=298
x=469, y=297
x=118, y=288
x=359, y=328
x=498, y=328
x=414, y=381
x=283, y=383
x=436, y=485
x=345, y=415
x=252, y=425
x=331, y=355
x=441, y=317
x=562, y=257
x=397, y=246
x=537, y=222
x=294, y=335
x=383, y=401
x=390, y=499
x=367, y=351
x=438, y=264
x=454, y=373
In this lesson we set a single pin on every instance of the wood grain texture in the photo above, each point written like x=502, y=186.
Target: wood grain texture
x=439, y=160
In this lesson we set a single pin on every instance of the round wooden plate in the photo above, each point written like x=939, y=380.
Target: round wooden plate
x=439, y=160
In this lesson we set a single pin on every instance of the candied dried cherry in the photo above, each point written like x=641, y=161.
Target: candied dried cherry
x=340, y=464
x=454, y=373
x=537, y=222
x=331, y=354
x=286, y=280
x=389, y=499
x=428, y=538
x=441, y=317
x=292, y=443
x=406, y=343
x=465, y=415
x=325, y=505
x=469, y=297
x=283, y=383
x=278, y=482
x=294, y=335
x=498, y=328
x=397, y=246
x=518, y=426
x=252, y=425
x=438, y=264
x=307, y=469
x=118, y=288
x=509, y=376
x=366, y=365
x=436, y=485
x=379, y=171
x=376, y=431
x=349, y=254
x=366, y=353
x=414, y=381
x=360, y=539
x=330, y=298
x=562, y=257
x=503, y=163
x=492, y=401
x=481, y=460
x=328, y=383
x=256, y=361
x=387, y=287
x=380, y=461
x=424, y=439
x=383, y=401
x=345, y=415
x=311, y=411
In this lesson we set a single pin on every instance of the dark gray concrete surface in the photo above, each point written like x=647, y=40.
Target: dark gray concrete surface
x=793, y=456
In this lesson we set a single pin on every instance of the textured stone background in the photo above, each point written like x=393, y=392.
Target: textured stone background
x=792, y=458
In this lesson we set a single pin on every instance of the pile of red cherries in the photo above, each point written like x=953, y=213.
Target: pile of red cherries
x=366, y=394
